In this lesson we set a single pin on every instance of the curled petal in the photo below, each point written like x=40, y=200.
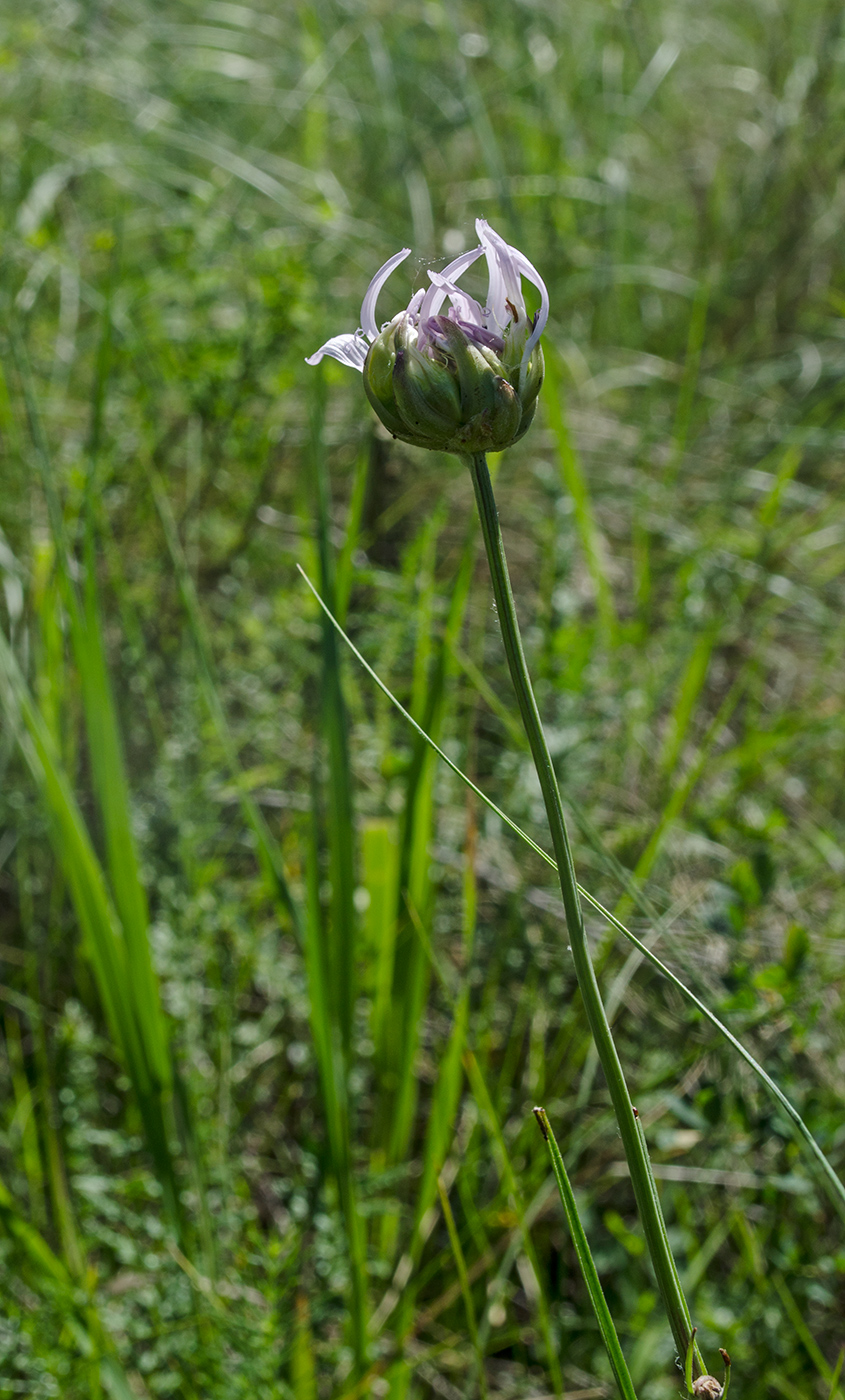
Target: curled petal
x=455, y=269
x=368, y=305
x=507, y=304
x=530, y=272
x=440, y=282
x=434, y=297
x=349, y=349
x=465, y=306
x=415, y=303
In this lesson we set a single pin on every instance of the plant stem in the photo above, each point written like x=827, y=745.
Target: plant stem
x=639, y=1166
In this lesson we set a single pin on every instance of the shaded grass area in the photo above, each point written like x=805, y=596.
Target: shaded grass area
x=277, y=996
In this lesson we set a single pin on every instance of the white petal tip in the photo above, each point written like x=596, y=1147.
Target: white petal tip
x=350, y=350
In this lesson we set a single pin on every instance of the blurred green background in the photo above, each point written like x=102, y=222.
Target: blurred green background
x=267, y=975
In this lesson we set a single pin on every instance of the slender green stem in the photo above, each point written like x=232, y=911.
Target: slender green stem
x=585, y=1260
x=635, y=1151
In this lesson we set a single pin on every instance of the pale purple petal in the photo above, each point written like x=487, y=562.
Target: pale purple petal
x=435, y=331
x=507, y=303
x=466, y=307
x=368, y=306
x=529, y=271
x=434, y=297
x=453, y=270
x=349, y=349
x=436, y=294
x=489, y=339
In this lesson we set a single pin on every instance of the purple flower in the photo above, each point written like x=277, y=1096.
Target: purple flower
x=504, y=316
x=461, y=379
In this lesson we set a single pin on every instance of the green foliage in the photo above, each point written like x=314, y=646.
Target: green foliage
x=277, y=996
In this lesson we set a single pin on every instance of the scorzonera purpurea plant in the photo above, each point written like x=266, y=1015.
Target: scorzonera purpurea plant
x=466, y=381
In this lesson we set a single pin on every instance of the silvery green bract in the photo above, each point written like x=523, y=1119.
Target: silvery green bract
x=462, y=380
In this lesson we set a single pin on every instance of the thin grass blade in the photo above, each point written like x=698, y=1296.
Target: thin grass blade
x=834, y=1186
x=586, y=1262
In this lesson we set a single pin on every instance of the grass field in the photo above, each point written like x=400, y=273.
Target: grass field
x=278, y=992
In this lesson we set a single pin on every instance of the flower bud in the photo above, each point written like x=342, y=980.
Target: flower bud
x=454, y=394
x=462, y=382
x=707, y=1387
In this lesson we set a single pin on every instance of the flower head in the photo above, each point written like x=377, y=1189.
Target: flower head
x=708, y=1387
x=461, y=379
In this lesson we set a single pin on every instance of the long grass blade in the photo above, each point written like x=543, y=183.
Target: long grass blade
x=153, y=1083
x=100, y=925
x=833, y=1184
x=586, y=1262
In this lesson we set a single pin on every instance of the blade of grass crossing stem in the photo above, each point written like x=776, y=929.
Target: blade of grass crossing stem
x=269, y=852
x=833, y=1185
x=411, y=979
x=340, y=822
x=509, y=1180
x=466, y=1290
x=585, y=1261
x=332, y=1067
x=102, y=933
x=575, y=483
x=44, y=1269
